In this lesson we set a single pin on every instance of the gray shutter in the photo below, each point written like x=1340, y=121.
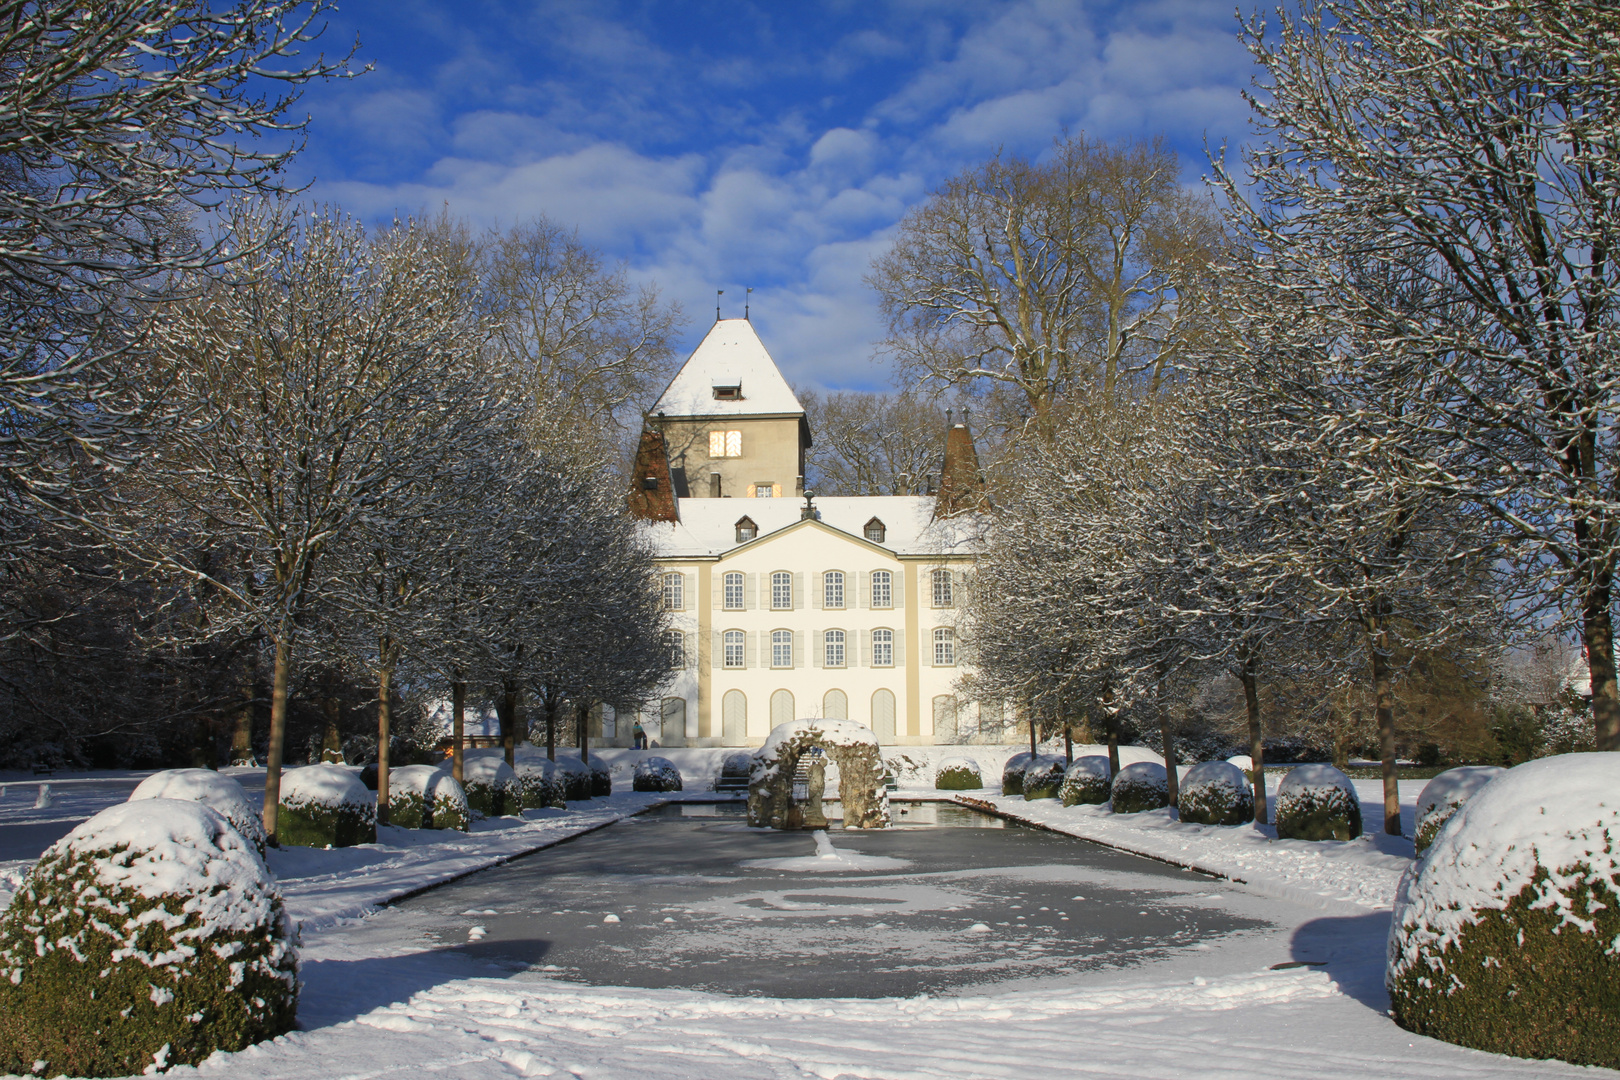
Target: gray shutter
x=798, y=590
x=899, y=649
x=864, y=583
x=717, y=657
x=690, y=641
x=689, y=592
x=798, y=648
x=717, y=594
x=750, y=591
x=897, y=591
x=818, y=591
x=818, y=653
x=751, y=649
x=866, y=648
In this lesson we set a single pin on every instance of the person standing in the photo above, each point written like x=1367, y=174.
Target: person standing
x=639, y=735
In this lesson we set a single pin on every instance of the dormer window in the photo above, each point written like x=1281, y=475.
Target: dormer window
x=728, y=393
x=875, y=531
x=746, y=530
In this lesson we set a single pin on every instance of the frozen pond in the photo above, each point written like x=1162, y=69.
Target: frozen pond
x=689, y=896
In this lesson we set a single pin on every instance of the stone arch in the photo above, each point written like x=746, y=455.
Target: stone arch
x=835, y=705
x=850, y=746
x=883, y=716
x=734, y=718
x=945, y=719
x=781, y=707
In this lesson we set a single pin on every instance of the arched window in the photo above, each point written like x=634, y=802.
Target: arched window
x=733, y=591
x=835, y=705
x=734, y=718
x=832, y=589
x=945, y=720
x=733, y=643
x=883, y=648
x=746, y=529
x=944, y=647
x=833, y=643
x=781, y=591
x=674, y=592
x=781, y=648
x=883, y=716
x=943, y=594
x=782, y=707
x=882, y=589
x=875, y=531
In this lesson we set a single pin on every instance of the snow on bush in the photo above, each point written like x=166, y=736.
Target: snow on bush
x=541, y=783
x=1044, y=776
x=1506, y=933
x=1215, y=793
x=426, y=797
x=211, y=789
x=1242, y=761
x=1445, y=794
x=491, y=784
x=958, y=774
x=1012, y=773
x=325, y=806
x=655, y=774
x=1143, y=785
x=1317, y=802
x=576, y=778
x=1087, y=782
x=850, y=747
x=151, y=932
x=601, y=778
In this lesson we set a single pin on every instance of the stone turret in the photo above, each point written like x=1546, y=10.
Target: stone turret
x=961, y=484
x=652, y=495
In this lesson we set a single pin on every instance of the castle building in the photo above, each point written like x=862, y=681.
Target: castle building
x=784, y=604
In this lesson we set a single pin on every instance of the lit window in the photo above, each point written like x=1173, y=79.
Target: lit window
x=781, y=648
x=674, y=592
x=875, y=531
x=733, y=641
x=834, y=643
x=832, y=589
x=734, y=592
x=746, y=530
x=944, y=647
x=882, y=588
x=781, y=591
x=765, y=491
x=675, y=643
x=883, y=648
x=724, y=444
x=942, y=588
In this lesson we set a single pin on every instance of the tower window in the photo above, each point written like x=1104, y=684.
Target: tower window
x=724, y=444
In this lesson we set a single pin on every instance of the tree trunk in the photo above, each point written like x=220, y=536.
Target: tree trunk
x=551, y=726
x=1068, y=741
x=242, y=728
x=458, y=713
x=1384, y=694
x=331, y=739
x=1167, y=739
x=582, y=727
x=278, y=737
x=202, y=745
x=1597, y=631
x=1257, y=742
x=509, y=722
x=384, y=719
x=1111, y=724
x=1034, y=750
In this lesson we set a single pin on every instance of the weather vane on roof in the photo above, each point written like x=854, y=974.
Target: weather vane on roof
x=746, y=295
x=718, y=293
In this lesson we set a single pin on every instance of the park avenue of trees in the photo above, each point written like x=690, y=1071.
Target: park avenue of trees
x=1325, y=451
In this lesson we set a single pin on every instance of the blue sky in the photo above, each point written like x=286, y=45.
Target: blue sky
x=723, y=145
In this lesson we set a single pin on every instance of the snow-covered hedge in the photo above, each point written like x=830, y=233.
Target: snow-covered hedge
x=576, y=778
x=601, y=778
x=425, y=797
x=491, y=784
x=325, y=806
x=211, y=789
x=1215, y=793
x=152, y=934
x=1012, y=773
x=655, y=774
x=1504, y=932
x=1317, y=802
x=1044, y=776
x=541, y=783
x=958, y=774
x=1445, y=794
x=1086, y=782
x=1143, y=785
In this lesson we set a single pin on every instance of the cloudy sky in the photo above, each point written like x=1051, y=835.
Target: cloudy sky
x=772, y=144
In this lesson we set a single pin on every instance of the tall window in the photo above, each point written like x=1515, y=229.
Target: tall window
x=882, y=588
x=833, y=640
x=781, y=591
x=883, y=648
x=734, y=592
x=733, y=641
x=781, y=648
x=832, y=589
x=725, y=444
x=674, y=592
x=944, y=647
x=942, y=589
x=675, y=643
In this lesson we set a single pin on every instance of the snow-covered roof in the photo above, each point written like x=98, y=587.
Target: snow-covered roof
x=730, y=355
x=708, y=527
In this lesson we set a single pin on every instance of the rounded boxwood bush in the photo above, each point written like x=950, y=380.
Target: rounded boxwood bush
x=1086, y=782
x=1317, y=802
x=424, y=797
x=958, y=774
x=1444, y=795
x=1043, y=777
x=491, y=785
x=655, y=774
x=1215, y=793
x=211, y=789
x=151, y=934
x=1503, y=937
x=1012, y=773
x=541, y=784
x=325, y=806
x=1138, y=787
x=601, y=777
x=576, y=778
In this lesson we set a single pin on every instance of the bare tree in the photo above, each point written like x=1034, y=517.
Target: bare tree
x=872, y=444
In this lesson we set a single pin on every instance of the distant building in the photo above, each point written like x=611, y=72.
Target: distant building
x=787, y=606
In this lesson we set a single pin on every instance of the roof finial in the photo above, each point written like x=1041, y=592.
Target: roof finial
x=950, y=417
x=718, y=293
x=746, y=295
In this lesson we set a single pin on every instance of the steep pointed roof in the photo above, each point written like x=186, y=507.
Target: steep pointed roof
x=730, y=355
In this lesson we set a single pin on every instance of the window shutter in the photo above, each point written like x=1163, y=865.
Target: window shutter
x=717, y=657
x=897, y=588
x=864, y=583
x=818, y=649
x=958, y=583
x=689, y=592
x=750, y=590
x=798, y=590
x=717, y=590
x=751, y=649
x=866, y=648
x=690, y=640
x=818, y=591
x=798, y=648
x=899, y=649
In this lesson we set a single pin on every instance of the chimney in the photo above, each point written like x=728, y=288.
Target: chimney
x=714, y=485
x=961, y=484
x=652, y=495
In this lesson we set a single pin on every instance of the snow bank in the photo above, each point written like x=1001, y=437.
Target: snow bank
x=1317, y=802
x=1087, y=782
x=1445, y=794
x=211, y=789
x=1143, y=785
x=655, y=774
x=1215, y=793
x=427, y=797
